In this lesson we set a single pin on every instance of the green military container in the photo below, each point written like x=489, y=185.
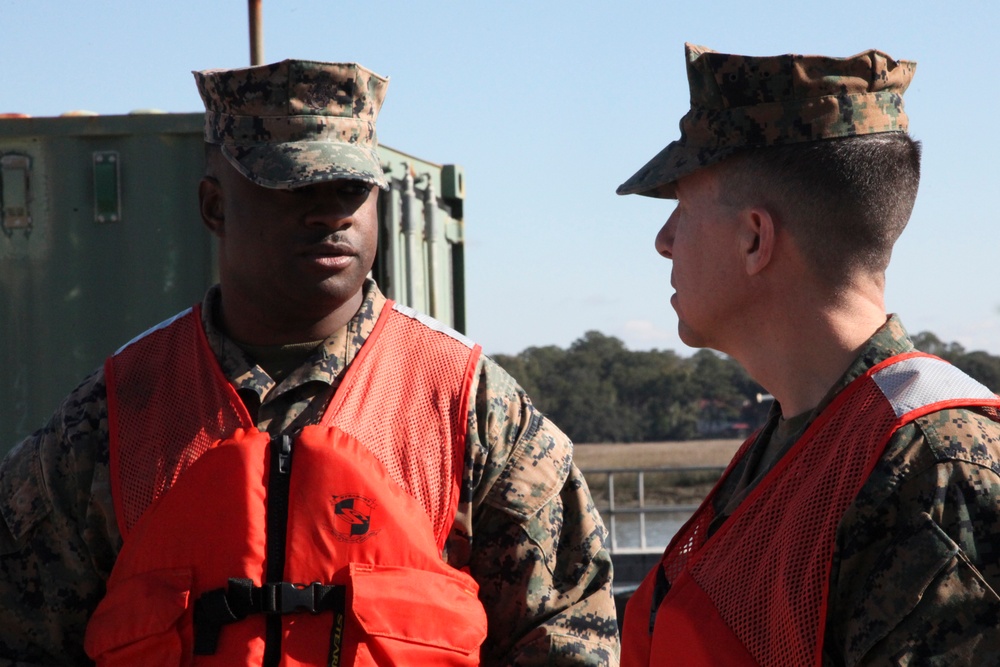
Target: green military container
x=102, y=239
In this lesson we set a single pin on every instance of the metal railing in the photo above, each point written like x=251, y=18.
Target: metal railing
x=629, y=498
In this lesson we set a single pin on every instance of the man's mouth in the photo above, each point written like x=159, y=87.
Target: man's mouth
x=333, y=255
x=332, y=249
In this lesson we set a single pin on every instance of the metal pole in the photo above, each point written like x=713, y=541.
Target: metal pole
x=434, y=258
x=611, y=512
x=256, y=34
x=642, y=510
x=413, y=268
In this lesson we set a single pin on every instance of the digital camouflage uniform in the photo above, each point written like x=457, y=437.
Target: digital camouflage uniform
x=917, y=555
x=526, y=525
x=916, y=564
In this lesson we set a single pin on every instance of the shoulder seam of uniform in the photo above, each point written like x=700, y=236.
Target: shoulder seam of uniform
x=938, y=445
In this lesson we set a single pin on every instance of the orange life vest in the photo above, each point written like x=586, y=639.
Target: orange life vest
x=755, y=592
x=240, y=548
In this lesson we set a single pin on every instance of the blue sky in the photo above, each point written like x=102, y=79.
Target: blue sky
x=548, y=106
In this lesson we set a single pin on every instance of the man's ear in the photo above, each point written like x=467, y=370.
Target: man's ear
x=757, y=238
x=210, y=199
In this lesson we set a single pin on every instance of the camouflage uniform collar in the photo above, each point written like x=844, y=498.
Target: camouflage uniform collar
x=236, y=364
x=325, y=364
x=335, y=354
x=890, y=339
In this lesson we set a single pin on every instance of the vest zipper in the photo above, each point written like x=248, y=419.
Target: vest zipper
x=278, y=484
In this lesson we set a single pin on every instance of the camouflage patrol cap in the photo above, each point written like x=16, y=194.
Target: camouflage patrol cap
x=746, y=102
x=295, y=122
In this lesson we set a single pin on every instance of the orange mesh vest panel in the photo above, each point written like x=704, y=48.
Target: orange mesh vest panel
x=364, y=521
x=755, y=592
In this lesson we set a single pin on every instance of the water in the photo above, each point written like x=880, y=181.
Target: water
x=660, y=529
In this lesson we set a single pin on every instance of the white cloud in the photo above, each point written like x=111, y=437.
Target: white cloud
x=644, y=334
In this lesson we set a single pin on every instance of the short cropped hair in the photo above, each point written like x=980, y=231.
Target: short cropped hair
x=212, y=152
x=844, y=201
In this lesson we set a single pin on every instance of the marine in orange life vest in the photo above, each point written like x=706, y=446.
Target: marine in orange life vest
x=304, y=527
x=298, y=470
x=859, y=525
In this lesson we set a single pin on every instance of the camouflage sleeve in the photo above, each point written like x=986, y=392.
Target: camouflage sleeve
x=56, y=533
x=917, y=567
x=537, y=541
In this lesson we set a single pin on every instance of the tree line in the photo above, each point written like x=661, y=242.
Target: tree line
x=597, y=390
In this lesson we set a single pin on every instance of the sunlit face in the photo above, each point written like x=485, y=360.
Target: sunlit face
x=701, y=238
x=295, y=255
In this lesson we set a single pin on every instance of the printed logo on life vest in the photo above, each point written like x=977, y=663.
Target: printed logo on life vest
x=352, y=518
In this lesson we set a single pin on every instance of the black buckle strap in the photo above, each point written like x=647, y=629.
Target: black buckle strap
x=216, y=608
x=223, y=606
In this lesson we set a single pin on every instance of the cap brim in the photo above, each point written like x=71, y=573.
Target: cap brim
x=658, y=177
x=295, y=164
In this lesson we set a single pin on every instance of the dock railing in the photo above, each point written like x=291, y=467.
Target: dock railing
x=643, y=507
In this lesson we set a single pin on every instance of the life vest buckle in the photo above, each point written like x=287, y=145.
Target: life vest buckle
x=283, y=597
x=222, y=606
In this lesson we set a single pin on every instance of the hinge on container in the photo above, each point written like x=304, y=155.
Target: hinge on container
x=107, y=193
x=15, y=193
x=453, y=189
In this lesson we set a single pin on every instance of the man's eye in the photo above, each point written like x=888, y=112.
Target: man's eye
x=356, y=189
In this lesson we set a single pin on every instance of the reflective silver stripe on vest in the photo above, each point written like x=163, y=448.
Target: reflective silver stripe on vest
x=919, y=381
x=431, y=323
x=162, y=325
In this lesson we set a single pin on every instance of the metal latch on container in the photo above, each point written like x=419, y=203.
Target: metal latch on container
x=107, y=191
x=15, y=193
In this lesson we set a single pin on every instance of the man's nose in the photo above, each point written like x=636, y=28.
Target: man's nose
x=665, y=237
x=327, y=207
